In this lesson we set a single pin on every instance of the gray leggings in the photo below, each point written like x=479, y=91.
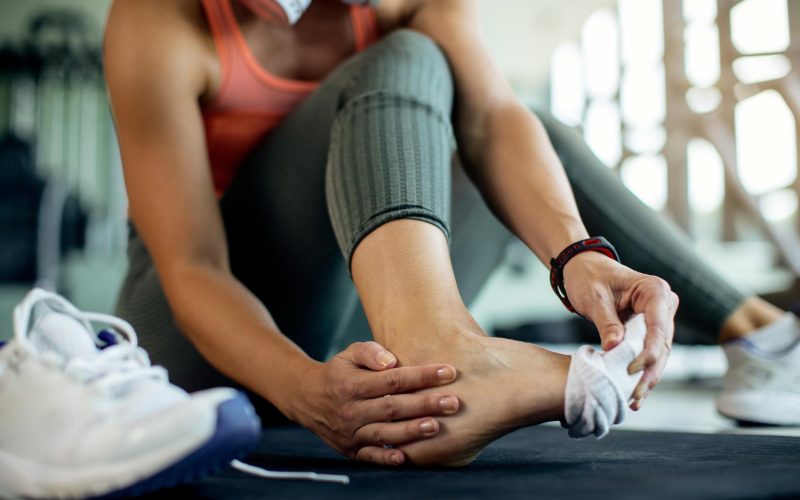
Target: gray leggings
x=374, y=143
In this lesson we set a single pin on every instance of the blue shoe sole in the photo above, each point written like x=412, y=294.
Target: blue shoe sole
x=238, y=431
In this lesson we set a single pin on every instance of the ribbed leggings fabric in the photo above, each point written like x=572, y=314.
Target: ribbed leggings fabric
x=372, y=144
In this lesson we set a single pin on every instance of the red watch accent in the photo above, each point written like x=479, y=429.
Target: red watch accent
x=595, y=244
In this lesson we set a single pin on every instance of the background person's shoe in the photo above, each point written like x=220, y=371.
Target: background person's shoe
x=762, y=385
x=84, y=414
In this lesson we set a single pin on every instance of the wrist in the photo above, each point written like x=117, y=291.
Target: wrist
x=586, y=259
x=577, y=251
x=584, y=267
x=556, y=246
x=287, y=389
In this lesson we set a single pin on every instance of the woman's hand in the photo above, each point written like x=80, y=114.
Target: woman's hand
x=357, y=402
x=601, y=289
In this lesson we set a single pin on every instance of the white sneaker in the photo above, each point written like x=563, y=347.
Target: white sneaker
x=762, y=386
x=84, y=414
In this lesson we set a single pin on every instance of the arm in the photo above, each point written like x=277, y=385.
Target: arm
x=154, y=98
x=157, y=71
x=507, y=153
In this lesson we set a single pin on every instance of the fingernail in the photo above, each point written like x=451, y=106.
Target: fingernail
x=386, y=359
x=427, y=427
x=639, y=394
x=445, y=373
x=448, y=404
x=635, y=368
x=397, y=459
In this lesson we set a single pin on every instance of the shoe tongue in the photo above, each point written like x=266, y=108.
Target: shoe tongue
x=63, y=335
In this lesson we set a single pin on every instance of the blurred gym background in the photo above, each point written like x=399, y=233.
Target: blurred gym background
x=694, y=103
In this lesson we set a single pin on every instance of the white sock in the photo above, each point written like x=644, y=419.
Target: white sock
x=598, y=385
x=777, y=335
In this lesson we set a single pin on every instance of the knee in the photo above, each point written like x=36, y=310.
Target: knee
x=417, y=49
x=409, y=63
x=564, y=138
x=548, y=121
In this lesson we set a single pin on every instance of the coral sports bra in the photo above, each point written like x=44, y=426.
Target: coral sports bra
x=251, y=101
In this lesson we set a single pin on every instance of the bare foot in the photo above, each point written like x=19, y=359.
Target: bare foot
x=502, y=384
x=405, y=280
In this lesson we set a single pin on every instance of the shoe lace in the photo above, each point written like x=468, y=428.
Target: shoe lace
x=113, y=366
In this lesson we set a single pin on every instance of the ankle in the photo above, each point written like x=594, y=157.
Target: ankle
x=754, y=313
x=415, y=337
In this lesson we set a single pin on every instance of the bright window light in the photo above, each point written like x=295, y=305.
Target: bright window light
x=706, y=176
x=761, y=68
x=643, y=97
x=703, y=100
x=646, y=141
x=602, y=131
x=641, y=31
x=702, y=54
x=704, y=11
x=567, y=93
x=646, y=177
x=779, y=205
x=765, y=145
x=759, y=26
x=601, y=54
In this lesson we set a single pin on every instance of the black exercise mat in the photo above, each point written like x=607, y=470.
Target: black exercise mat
x=539, y=462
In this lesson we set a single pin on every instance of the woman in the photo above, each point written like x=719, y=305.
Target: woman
x=268, y=163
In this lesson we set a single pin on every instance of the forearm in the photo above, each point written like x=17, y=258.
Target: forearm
x=235, y=333
x=523, y=181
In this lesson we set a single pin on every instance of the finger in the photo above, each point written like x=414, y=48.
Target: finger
x=636, y=404
x=659, y=313
x=381, y=456
x=397, y=433
x=652, y=374
x=406, y=406
x=650, y=378
x=406, y=379
x=659, y=316
x=652, y=362
x=370, y=355
x=605, y=317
